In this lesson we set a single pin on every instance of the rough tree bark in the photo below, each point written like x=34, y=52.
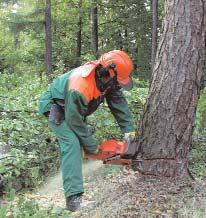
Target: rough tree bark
x=169, y=114
x=94, y=28
x=154, y=30
x=48, y=41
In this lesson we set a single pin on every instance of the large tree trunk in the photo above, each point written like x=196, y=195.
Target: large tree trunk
x=154, y=30
x=169, y=115
x=94, y=28
x=48, y=41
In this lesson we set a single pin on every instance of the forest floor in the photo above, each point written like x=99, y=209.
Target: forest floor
x=121, y=192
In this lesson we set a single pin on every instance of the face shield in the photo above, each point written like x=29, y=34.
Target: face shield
x=124, y=82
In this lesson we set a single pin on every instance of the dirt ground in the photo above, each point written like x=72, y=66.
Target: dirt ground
x=123, y=193
x=129, y=194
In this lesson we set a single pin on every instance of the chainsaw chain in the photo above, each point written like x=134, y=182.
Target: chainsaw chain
x=113, y=158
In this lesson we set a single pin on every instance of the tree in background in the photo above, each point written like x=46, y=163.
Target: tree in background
x=79, y=36
x=24, y=22
x=124, y=25
x=94, y=28
x=48, y=40
x=127, y=25
x=169, y=114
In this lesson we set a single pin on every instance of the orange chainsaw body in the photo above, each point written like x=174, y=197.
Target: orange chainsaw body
x=111, y=152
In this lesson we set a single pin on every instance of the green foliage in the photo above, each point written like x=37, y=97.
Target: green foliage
x=33, y=152
x=198, y=150
x=117, y=30
x=16, y=168
x=20, y=207
x=201, y=113
x=106, y=127
x=197, y=157
x=23, y=26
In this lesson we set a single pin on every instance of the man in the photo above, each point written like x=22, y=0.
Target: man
x=73, y=96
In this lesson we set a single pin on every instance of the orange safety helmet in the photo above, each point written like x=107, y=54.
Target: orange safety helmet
x=124, y=66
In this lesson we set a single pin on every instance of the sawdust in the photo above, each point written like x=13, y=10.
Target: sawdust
x=126, y=194
x=130, y=194
x=51, y=194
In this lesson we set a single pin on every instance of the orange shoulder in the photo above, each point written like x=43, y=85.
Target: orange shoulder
x=86, y=86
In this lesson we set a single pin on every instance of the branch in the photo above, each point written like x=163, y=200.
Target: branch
x=17, y=111
x=16, y=99
x=6, y=157
x=28, y=158
x=111, y=21
x=1, y=180
x=8, y=97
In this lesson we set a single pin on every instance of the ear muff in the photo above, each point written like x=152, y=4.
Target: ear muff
x=104, y=72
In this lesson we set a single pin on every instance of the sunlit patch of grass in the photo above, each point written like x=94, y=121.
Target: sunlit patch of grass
x=197, y=161
x=194, y=208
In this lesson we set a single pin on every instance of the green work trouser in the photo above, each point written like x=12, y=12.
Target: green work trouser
x=70, y=158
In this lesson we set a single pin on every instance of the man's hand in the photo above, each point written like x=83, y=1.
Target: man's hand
x=130, y=136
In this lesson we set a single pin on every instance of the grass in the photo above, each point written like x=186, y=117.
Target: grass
x=194, y=208
x=197, y=161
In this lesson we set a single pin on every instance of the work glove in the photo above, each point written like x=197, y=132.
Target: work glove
x=130, y=136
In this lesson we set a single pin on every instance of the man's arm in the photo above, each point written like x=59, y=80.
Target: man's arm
x=45, y=102
x=119, y=108
x=75, y=107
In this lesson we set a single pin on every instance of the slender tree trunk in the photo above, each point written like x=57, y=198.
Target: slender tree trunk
x=16, y=40
x=48, y=41
x=169, y=115
x=120, y=41
x=126, y=47
x=94, y=28
x=154, y=30
x=79, y=37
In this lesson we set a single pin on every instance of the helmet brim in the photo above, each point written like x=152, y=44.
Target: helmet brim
x=126, y=85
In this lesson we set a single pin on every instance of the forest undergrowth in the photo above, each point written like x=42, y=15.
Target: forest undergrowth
x=117, y=192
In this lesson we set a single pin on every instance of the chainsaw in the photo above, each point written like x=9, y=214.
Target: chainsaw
x=115, y=152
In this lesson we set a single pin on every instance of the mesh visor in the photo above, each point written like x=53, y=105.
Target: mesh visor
x=126, y=84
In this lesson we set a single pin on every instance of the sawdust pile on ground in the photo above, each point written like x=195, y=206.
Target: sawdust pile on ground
x=123, y=193
x=128, y=194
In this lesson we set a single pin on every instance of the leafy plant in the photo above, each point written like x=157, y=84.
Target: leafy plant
x=18, y=206
x=32, y=151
